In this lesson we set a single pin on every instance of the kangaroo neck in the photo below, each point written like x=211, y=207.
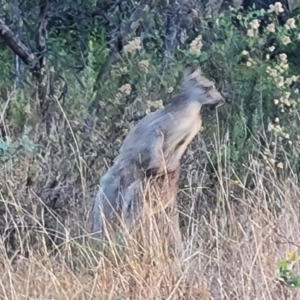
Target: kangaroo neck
x=181, y=104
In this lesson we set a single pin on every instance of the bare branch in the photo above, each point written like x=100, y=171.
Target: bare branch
x=42, y=32
x=17, y=46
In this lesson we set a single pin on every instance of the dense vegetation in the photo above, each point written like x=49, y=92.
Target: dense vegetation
x=85, y=73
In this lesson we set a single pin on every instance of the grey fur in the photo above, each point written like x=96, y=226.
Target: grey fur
x=153, y=147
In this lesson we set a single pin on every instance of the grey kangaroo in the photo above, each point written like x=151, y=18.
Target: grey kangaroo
x=150, y=158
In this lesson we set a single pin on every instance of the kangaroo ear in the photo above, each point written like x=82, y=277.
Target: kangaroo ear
x=206, y=83
x=189, y=69
x=192, y=72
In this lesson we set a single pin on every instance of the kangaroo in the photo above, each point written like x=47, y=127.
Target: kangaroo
x=151, y=152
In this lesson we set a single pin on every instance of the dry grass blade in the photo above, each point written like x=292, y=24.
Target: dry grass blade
x=231, y=253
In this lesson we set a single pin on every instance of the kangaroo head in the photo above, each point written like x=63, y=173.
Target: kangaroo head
x=198, y=88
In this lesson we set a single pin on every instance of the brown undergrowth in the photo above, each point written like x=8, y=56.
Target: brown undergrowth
x=230, y=249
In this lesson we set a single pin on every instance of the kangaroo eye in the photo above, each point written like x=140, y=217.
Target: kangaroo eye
x=207, y=88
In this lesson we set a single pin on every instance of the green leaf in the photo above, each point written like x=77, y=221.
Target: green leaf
x=203, y=57
x=3, y=145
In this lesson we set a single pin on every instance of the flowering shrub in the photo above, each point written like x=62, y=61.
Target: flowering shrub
x=254, y=64
x=262, y=82
x=256, y=70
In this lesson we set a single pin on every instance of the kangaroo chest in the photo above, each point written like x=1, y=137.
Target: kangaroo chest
x=179, y=139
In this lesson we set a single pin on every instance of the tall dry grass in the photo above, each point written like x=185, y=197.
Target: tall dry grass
x=230, y=250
